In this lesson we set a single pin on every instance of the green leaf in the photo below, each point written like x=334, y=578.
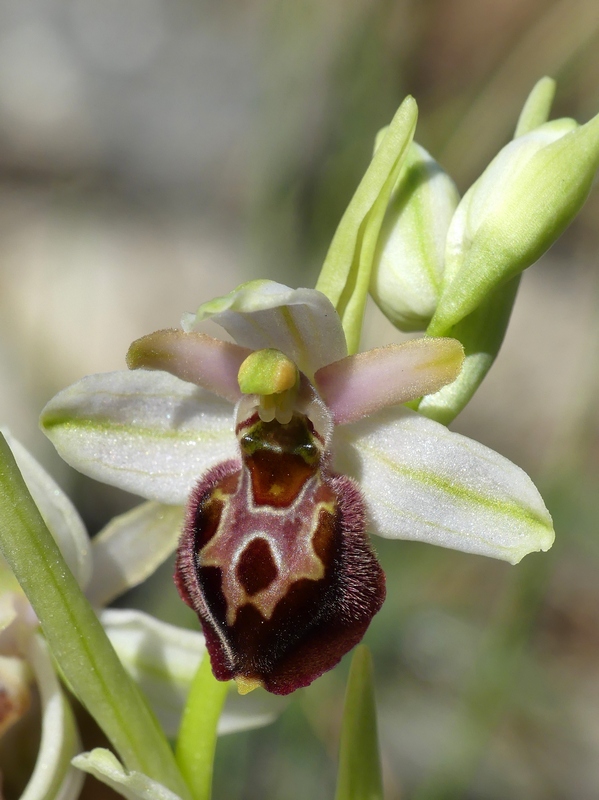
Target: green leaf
x=75, y=636
x=359, y=775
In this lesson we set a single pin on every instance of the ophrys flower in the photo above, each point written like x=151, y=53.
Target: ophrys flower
x=274, y=556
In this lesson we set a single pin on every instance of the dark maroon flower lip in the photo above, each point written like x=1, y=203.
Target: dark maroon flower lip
x=275, y=560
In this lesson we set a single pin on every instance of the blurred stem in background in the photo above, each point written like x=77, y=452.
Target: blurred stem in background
x=487, y=695
x=359, y=775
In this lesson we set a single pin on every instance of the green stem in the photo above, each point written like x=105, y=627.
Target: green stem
x=196, y=742
x=359, y=776
x=76, y=638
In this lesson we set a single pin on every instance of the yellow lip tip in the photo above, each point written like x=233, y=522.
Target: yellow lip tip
x=247, y=685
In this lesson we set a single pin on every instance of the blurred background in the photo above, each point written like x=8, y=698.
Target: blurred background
x=156, y=153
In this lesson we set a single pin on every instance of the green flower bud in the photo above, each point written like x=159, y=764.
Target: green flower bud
x=512, y=214
x=408, y=266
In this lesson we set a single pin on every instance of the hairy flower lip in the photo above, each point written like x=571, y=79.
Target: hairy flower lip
x=288, y=626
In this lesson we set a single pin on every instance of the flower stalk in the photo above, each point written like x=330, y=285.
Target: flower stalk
x=196, y=741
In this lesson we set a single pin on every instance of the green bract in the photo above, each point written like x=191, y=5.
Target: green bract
x=345, y=275
x=359, y=774
x=408, y=267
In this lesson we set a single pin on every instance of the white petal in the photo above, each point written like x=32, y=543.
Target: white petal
x=144, y=431
x=163, y=659
x=302, y=323
x=59, y=514
x=53, y=777
x=131, y=547
x=423, y=482
x=359, y=385
x=105, y=766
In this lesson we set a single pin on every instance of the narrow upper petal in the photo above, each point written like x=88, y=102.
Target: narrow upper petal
x=194, y=357
x=302, y=323
x=147, y=432
x=131, y=547
x=59, y=514
x=421, y=481
x=359, y=385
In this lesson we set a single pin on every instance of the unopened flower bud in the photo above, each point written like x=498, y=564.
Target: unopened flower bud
x=514, y=212
x=408, y=267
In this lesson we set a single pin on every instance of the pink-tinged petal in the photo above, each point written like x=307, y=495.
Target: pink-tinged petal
x=356, y=386
x=423, y=482
x=143, y=431
x=193, y=357
x=302, y=323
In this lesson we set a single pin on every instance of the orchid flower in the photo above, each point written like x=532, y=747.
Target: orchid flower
x=161, y=658
x=280, y=490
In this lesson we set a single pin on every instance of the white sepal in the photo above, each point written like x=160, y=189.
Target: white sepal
x=131, y=547
x=146, y=432
x=59, y=514
x=53, y=777
x=106, y=767
x=302, y=323
x=163, y=660
x=423, y=482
